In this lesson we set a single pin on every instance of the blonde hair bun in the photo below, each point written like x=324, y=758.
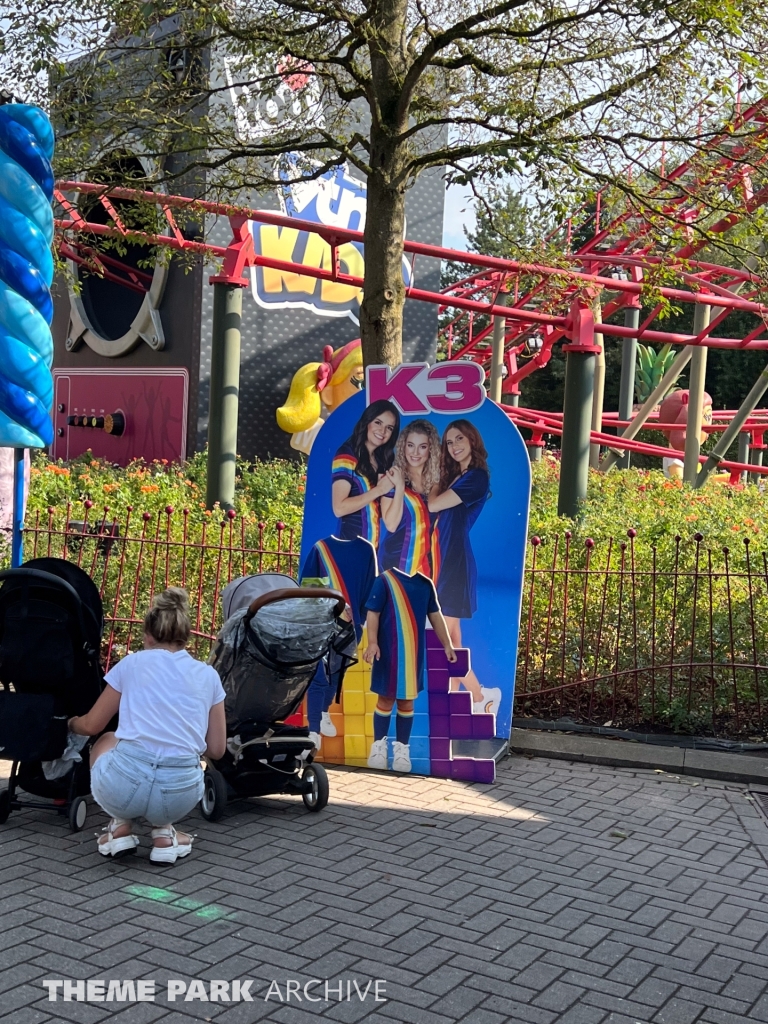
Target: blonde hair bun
x=167, y=620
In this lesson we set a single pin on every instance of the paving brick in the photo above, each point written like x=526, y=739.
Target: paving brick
x=558, y=997
x=566, y=926
x=744, y=987
x=582, y=1015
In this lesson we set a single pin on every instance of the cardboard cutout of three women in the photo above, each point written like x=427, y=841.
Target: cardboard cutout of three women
x=420, y=520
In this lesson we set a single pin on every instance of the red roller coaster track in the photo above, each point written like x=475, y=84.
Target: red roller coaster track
x=538, y=303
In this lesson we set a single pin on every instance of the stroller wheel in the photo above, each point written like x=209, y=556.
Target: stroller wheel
x=214, y=794
x=317, y=797
x=78, y=812
x=5, y=806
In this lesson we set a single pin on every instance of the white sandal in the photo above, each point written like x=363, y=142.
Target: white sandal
x=117, y=846
x=168, y=854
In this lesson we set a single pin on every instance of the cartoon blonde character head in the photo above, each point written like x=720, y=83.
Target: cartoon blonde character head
x=317, y=389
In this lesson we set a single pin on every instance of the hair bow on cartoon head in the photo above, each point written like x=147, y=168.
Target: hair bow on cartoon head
x=303, y=406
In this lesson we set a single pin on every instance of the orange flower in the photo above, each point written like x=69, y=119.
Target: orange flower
x=150, y=488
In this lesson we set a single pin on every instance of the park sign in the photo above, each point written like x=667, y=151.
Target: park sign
x=417, y=389
x=417, y=495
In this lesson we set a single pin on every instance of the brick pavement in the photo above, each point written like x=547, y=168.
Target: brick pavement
x=563, y=894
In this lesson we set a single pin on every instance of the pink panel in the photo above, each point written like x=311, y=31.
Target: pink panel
x=460, y=703
x=153, y=402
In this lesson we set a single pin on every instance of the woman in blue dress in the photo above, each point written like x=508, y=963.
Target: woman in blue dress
x=360, y=472
x=406, y=540
x=459, y=499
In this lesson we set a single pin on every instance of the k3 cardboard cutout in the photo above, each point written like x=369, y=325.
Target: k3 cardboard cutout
x=417, y=495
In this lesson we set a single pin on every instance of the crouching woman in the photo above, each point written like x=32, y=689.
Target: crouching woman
x=171, y=711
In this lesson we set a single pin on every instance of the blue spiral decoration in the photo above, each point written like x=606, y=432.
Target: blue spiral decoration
x=26, y=273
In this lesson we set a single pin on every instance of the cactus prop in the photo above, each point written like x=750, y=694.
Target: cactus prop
x=26, y=272
x=650, y=368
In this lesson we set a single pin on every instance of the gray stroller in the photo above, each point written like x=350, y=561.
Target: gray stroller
x=274, y=636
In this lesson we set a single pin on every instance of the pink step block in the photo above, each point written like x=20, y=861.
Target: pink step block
x=438, y=681
x=461, y=727
x=439, y=703
x=466, y=769
x=436, y=659
x=439, y=726
x=439, y=749
x=460, y=703
x=483, y=727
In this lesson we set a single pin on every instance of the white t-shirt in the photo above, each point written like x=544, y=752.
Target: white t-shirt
x=165, y=702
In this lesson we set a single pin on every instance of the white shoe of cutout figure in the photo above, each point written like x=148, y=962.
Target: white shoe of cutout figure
x=401, y=757
x=489, y=705
x=378, y=755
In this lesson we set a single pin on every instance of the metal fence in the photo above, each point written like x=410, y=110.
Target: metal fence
x=132, y=557
x=618, y=632
x=628, y=634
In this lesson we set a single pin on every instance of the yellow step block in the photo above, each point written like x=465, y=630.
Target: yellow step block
x=355, y=748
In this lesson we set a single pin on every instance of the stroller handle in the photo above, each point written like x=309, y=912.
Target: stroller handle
x=289, y=592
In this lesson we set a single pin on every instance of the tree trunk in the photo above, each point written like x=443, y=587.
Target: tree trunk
x=381, y=313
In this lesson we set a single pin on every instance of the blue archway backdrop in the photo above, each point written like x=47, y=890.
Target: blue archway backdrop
x=498, y=537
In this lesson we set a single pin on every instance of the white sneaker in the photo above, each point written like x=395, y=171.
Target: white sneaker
x=317, y=739
x=169, y=854
x=489, y=705
x=327, y=728
x=401, y=759
x=378, y=755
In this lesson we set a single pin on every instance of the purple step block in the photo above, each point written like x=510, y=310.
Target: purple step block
x=439, y=726
x=439, y=703
x=439, y=749
x=460, y=702
x=461, y=727
x=438, y=681
x=466, y=769
x=483, y=727
x=440, y=769
x=436, y=659
x=432, y=642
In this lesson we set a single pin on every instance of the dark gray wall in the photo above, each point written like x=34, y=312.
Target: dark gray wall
x=275, y=343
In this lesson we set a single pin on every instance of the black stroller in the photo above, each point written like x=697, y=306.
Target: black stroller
x=266, y=654
x=51, y=621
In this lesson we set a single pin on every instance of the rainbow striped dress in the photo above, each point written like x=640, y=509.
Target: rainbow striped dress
x=350, y=565
x=366, y=522
x=403, y=602
x=409, y=546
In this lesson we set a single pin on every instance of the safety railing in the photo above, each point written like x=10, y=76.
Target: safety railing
x=135, y=555
x=627, y=634
x=668, y=636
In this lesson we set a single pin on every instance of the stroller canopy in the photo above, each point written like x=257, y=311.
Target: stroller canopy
x=241, y=592
x=266, y=659
x=51, y=621
x=83, y=586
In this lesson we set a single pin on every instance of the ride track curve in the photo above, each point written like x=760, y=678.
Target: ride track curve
x=614, y=261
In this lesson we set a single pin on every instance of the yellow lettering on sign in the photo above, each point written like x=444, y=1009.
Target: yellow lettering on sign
x=350, y=262
x=279, y=244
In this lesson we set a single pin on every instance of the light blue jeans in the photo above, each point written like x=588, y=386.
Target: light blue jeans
x=129, y=782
